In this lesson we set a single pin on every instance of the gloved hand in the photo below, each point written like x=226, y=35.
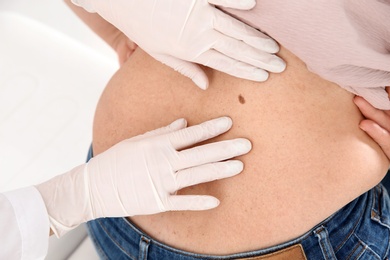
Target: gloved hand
x=180, y=33
x=141, y=175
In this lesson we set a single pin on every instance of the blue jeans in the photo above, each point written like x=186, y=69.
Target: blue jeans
x=360, y=230
x=386, y=181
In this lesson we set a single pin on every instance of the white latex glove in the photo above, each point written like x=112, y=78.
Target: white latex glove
x=180, y=33
x=141, y=175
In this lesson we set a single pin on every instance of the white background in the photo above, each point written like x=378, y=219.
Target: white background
x=52, y=72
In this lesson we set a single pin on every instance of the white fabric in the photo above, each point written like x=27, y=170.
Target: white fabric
x=24, y=225
x=180, y=33
x=141, y=175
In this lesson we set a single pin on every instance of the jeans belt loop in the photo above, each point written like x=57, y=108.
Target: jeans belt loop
x=143, y=248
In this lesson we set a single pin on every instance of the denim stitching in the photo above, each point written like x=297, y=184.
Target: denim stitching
x=227, y=257
x=378, y=218
x=325, y=245
x=356, y=248
x=115, y=242
x=195, y=256
x=375, y=216
x=373, y=252
x=216, y=257
x=171, y=249
x=97, y=246
x=144, y=246
x=358, y=220
x=367, y=247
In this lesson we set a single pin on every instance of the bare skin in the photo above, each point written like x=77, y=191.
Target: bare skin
x=309, y=156
x=376, y=124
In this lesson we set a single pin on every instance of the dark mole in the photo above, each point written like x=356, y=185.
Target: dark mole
x=241, y=99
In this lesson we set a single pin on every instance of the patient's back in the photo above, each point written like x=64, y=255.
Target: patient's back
x=309, y=156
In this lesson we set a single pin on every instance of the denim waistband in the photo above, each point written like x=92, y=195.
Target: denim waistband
x=360, y=230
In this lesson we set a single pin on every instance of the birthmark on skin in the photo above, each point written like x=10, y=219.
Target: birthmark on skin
x=241, y=99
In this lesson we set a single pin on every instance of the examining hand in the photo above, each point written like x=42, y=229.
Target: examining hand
x=180, y=33
x=376, y=124
x=141, y=175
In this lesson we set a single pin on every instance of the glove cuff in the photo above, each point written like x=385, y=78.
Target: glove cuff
x=66, y=200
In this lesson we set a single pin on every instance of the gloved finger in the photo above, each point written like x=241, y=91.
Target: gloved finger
x=240, y=4
x=378, y=133
x=223, y=63
x=86, y=4
x=192, y=202
x=188, y=69
x=198, y=133
x=208, y=172
x=212, y=152
x=234, y=28
x=174, y=126
x=241, y=51
x=378, y=116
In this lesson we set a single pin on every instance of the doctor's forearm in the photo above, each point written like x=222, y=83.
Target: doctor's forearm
x=97, y=24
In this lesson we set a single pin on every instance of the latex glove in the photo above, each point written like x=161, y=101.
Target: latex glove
x=376, y=124
x=180, y=33
x=141, y=175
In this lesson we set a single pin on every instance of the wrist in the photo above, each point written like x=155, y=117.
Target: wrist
x=101, y=184
x=66, y=201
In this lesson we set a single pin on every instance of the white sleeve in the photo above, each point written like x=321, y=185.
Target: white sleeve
x=24, y=225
